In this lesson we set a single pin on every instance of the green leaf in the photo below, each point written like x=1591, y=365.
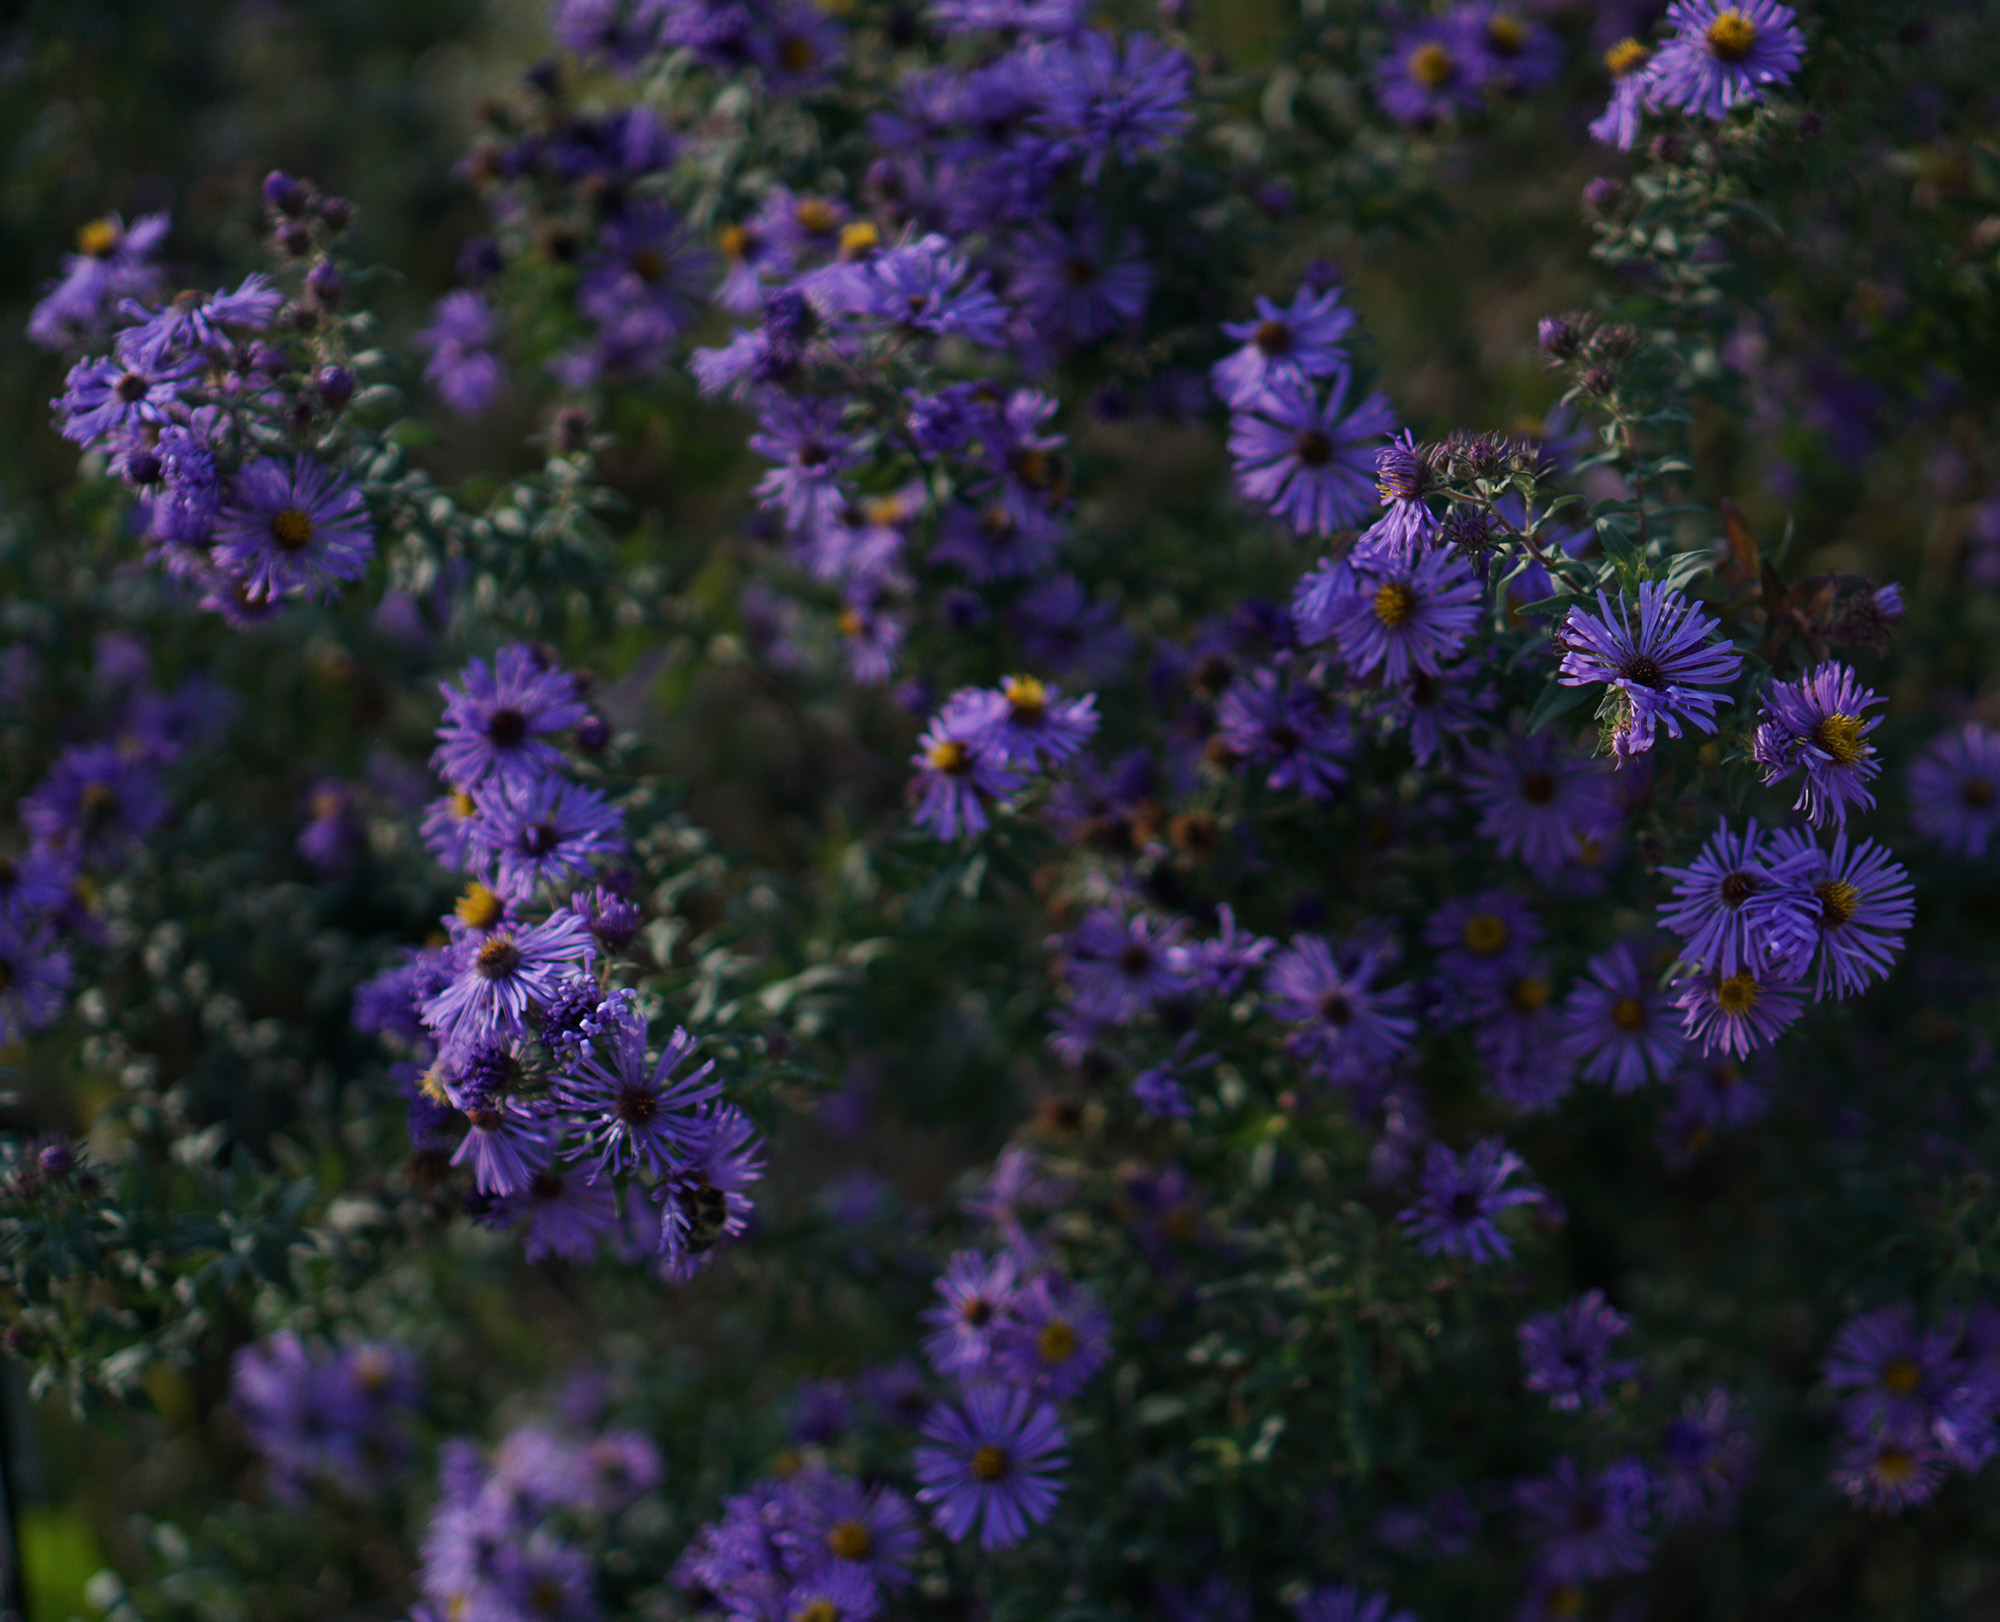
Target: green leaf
x=1556, y=700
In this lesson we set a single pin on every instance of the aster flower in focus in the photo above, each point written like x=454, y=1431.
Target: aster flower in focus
x=976, y=1291
x=636, y=1115
x=1618, y=1026
x=1054, y=1339
x=1427, y=74
x=1344, y=1603
x=1415, y=619
x=293, y=531
x=1459, y=1201
x=1587, y=1524
x=497, y=979
x=1840, y=914
x=463, y=368
x=1567, y=1353
x=1538, y=798
x=1705, y=1456
x=1725, y=54
x=1630, y=65
x=1658, y=670
x=1298, y=345
x=1349, y=1028
x=545, y=834
x=1404, y=480
x=1955, y=790
x=1821, y=724
x=1306, y=458
x=196, y=321
x=1265, y=722
x=108, y=400
x=960, y=769
x=1890, y=1471
x=992, y=1462
x=507, y=1140
x=1726, y=904
x=494, y=726
x=1739, y=1012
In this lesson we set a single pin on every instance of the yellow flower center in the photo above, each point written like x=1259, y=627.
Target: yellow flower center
x=850, y=622
x=1738, y=994
x=463, y=805
x=1895, y=1466
x=1432, y=66
x=1505, y=34
x=949, y=756
x=1626, y=58
x=862, y=237
x=292, y=529
x=1838, y=900
x=1840, y=736
x=1395, y=603
x=1629, y=1014
x=1902, y=1376
x=735, y=242
x=1056, y=1341
x=1731, y=36
x=1484, y=933
x=990, y=1463
x=817, y=215
x=1529, y=994
x=820, y=1610
x=850, y=1540
x=1028, y=698
x=479, y=907
x=99, y=239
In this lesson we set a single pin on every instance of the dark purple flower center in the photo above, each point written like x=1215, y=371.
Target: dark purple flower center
x=1645, y=670
x=990, y=1463
x=1629, y=1014
x=507, y=727
x=1079, y=271
x=649, y=264
x=1336, y=1008
x=1738, y=888
x=1313, y=448
x=1538, y=788
x=1464, y=1205
x=1274, y=338
x=547, y=1185
x=1977, y=793
x=498, y=958
x=292, y=529
x=977, y=1311
x=540, y=839
x=1136, y=959
x=638, y=1105
x=132, y=388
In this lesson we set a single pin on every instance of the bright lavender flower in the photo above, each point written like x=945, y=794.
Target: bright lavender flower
x=1587, y=1525
x=1740, y=1012
x=506, y=1140
x=1459, y=1200
x=498, y=978
x=1538, y=799
x=1038, y=726
x=1657, y=671
x=805, y=438
x=960, y=768
x=994, y=1463
x=1054, y=1339
x=34, y=976
x=1415, y=620
x=1264, y=722
x=1955, y=790
x=1705, y=1458
x=1890, y=1471
x=1821, y=724
x=1897, y=1375
x=1618, y=1026
x=1720, y=909
x=1427, y=74
x=1725, y=54
x=1305, y=458
x=976, y=1292
x=1344, y=1603
x=1078, y=286
x=1100, y=102
x=1567, y=1353
x=463, y=367
x=1841, y=915
x=1296, y=345
x=545, y=834
x=494, y=726
x=637, y=1116
x=298, y=531
x=1349, y=1028
x=1630, y=66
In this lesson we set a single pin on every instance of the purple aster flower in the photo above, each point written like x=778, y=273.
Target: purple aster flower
x=1404, y=480
x=447, y=831
x=1062, y=628
x=1955, y=790
x=1727, y=904
x=34, y=976
x=1509, y=53
x=1890, y=1471
x=1266, y=723
x=494, y=726
x=1350, y=1028
x=1538, y=798
x=1842, y=915
x=35, y=883
x=1079, y=285
x=103, y=400
x=1517, y=1033
x=1305, y=458
x=705, y=1200
x=463, y=367
x=1053, y=1340
x=1738, y=1012
x=1416, y=619
x=316, y=1413
x=925, y=287
x=1054, y=18
x=1159, y=1094
x=333, y=836
x=498, y=978
x=835, y=1591
x=634, y=1115
x=805, y=438
x=1618, y=1026
x=976, y=1292
x=1459, y=1201
x=96, y=802
x=994, y=542
x=197, y=320
x=293, y=531
x=1725, y=54
x=1101, y=102
x=1038, y=726
x=544, y=834
x=1705, y=1458
x=1220, y=965
x=1567, y=1353
x=1821, y=724
x=1121, y=966
x=544, y=1577
x=1897, y=1375
x=114, y=261
x=798, y=47
x=1587, y=1525
x=1481, y=940
x=1656, y=671
x=834, y=1518
x=1344, y=1603
x=1296, y=345
x=506, y=1139
x=565, y=1215
x=960, y=768
x=994, y=1462
x=1427, y=74
x=1630, y=66
x=648, y=276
